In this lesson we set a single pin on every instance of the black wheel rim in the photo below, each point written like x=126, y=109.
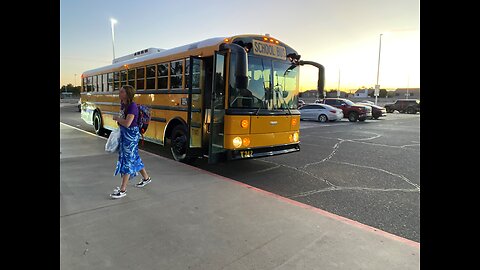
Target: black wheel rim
x=179, y=144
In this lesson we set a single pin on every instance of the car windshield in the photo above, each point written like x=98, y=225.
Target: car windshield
x=349, y=103
x=270, y=85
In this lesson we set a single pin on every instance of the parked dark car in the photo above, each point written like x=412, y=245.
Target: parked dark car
x=404, y=106
x=377, y=111
x=351, y=110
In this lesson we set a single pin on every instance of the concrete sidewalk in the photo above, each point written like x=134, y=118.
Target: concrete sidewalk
x=188, y=218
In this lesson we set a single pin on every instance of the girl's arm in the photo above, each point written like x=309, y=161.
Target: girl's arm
x=125, y=122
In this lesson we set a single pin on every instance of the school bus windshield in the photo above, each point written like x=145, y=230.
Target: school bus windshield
x=271, y=85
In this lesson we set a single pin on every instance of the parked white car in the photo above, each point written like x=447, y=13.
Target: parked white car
x=320, y=112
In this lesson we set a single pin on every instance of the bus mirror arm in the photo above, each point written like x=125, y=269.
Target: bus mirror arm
x=321, y=76
x=241, y=68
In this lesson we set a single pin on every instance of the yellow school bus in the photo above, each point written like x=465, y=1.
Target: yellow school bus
x=224, y=98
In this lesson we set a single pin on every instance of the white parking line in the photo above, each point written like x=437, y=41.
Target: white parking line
x=305, y=125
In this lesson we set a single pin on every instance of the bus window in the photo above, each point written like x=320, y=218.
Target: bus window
x=89, y=84
x=115, y=80
x=123, y=77
x=176, y=71
x=151, y=77
x=104, y=80
x=162, y=73
x=131, y=78
x=84, y=88
x=99, y=83
x=110, y=82
x=94, y=84
x=141, y=78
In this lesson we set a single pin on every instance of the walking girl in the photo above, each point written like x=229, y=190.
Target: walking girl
x=129, y=162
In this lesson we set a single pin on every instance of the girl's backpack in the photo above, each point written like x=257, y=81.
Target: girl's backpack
x=143, y=119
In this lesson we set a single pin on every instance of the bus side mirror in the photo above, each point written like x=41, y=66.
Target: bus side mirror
x=241, y=67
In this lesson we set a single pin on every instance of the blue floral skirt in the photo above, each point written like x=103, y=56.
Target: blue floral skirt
x=129, y=162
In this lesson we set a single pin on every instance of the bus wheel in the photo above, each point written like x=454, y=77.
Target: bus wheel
x=178, y=145
x=98, y=125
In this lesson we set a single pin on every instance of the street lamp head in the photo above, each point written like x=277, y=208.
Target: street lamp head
x=113, y=21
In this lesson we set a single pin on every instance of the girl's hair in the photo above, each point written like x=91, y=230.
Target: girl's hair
x=130, y=95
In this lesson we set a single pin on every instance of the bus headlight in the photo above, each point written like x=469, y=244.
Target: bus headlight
x=246, y=142
x=295, y=137
x=237, y=142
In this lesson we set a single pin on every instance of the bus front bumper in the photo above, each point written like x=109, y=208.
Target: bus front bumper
x=262, y=151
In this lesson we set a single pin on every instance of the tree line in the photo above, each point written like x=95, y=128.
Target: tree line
x=75, y=90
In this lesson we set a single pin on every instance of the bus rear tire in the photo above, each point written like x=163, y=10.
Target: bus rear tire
x=98, y=125
x=178, y=145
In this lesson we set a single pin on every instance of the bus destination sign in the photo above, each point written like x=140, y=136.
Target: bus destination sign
x=270, y=50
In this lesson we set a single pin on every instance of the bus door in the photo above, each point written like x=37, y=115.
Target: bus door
x=216, y=150
x=195, y=74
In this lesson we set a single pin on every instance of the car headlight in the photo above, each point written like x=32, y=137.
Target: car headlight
x=237, y=142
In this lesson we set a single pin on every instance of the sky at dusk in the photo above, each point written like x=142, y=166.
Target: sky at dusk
x=342, y=35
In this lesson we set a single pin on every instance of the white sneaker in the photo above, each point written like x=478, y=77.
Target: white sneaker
x=144, y=182
x=117, y=193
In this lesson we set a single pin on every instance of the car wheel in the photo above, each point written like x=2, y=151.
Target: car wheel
x=97, y=124
x=322, y=118
x=376, y=117
x=362, y=119
x=411, y=110
x=353, y=117
x=178, y=145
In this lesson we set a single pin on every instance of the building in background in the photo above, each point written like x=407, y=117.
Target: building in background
x=363, y=93
x=308, y=94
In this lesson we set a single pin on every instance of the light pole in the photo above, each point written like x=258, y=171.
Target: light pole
x=338, y=87
x=408, y=85
x=75, y=80
x=377, y=86
x=113, y=22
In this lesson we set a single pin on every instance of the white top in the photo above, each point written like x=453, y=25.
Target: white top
x=184, y=48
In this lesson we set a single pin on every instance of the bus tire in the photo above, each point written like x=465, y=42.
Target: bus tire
x=178, y=144
x=98, y=124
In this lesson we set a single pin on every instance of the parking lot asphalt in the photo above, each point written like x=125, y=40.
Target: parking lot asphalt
x=365, y=171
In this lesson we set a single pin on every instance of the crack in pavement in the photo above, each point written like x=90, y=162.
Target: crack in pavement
x=299, y=170
x=335, y=187
x=307, y=193
x=337, y=145
x=417, y=187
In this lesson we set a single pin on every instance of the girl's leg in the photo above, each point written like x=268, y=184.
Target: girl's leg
x=144, y=173
x=124, y=182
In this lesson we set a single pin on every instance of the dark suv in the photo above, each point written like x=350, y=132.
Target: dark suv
x=404, y=105
x=350, y=110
